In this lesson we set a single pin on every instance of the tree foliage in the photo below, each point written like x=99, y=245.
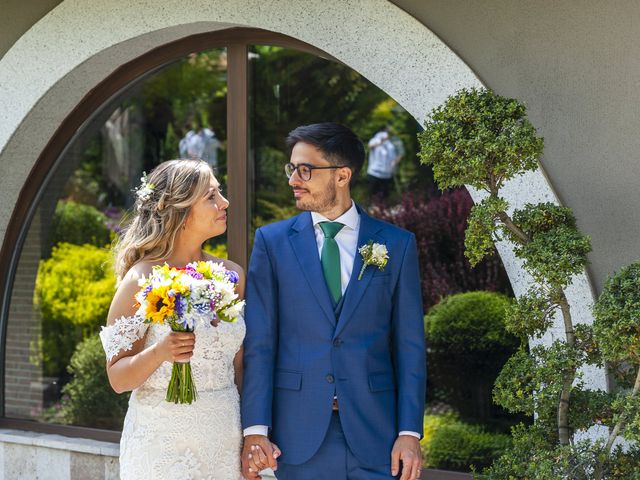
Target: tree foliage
x=480, y=139
x=491, y=133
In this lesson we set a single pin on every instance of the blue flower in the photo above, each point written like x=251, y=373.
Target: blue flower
x=233, y=276
x=180, y=305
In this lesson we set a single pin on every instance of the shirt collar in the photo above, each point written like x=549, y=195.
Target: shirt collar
x=350, y=218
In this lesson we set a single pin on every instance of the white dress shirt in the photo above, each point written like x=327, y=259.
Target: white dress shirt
x=347, y=240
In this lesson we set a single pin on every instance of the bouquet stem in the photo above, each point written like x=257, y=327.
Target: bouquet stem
x=181, y=388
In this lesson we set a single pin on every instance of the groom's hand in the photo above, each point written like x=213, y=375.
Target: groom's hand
x=407, y=450
x=258, y=453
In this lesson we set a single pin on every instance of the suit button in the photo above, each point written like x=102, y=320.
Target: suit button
x=330, y=378
x=337, y=342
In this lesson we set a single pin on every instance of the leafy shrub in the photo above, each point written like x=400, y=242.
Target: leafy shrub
x=79, y=224
x=467, y=347
x=439, y=224
x=470, y=322
x=218, y=251
x=451, y=444
x=534, y=456
x=74, y=288
x=88, y=399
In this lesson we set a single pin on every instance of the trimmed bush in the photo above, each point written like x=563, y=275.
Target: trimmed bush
x=467, y=347
x=88, y=399
x=451, y=444
x=74, y=288
x=79, y=224
x=470, y=322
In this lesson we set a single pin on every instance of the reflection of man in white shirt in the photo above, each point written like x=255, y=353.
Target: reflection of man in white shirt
x=383, y=157
x=202, y=144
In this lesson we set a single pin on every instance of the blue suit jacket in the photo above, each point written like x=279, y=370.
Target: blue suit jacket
x=298, y=353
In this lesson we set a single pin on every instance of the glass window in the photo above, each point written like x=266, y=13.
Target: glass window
x=54, y=366
x=289, y=88
x=54, y=370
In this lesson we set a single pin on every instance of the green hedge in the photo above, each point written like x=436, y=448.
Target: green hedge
x=88, y=399
x=79, y=224
x=470, y=322
x=450, y=444
x=74, y=288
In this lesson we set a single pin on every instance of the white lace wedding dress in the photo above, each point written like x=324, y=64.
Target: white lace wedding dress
x=162, y=440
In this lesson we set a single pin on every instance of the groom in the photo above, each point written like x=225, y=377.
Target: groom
x=334, y=355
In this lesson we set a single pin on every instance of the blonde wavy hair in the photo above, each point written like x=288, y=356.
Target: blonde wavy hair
x=159, y=215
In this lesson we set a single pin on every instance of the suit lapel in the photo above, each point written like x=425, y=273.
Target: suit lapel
x=303, y=242
x=356, y=288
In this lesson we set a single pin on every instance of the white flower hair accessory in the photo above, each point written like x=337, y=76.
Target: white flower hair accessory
x=375, y=254
x=146, y=189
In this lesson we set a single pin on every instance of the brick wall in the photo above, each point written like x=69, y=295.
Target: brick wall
x=23, y=379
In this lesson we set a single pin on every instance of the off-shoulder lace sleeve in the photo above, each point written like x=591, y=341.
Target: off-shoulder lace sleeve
x=122, y=335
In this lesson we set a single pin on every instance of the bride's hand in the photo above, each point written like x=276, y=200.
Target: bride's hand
x=176, y=346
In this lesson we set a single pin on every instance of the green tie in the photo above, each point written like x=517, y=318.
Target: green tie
x=330, y=259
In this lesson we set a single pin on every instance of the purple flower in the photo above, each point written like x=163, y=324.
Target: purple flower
x=233, y=276
x=113, y=212
x=192, y=272
x=146, y=290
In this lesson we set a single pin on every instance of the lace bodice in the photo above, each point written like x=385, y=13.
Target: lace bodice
x=212, y=361
x=162, y=440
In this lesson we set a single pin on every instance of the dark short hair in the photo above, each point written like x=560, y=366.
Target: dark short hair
x=338, y=144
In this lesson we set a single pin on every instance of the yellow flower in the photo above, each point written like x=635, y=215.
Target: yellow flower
x=178, y=287
x=205, y=269
x=159, y=304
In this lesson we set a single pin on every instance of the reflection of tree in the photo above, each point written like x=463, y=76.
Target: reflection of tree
x=192, y=90
x=122, y=154
x=289, y=88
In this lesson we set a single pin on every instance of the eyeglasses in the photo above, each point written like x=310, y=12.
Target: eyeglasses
x=304, y=170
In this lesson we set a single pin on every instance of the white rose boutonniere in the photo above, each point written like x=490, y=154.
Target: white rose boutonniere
x=374, y=254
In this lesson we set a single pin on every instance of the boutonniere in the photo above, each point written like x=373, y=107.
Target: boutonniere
x=375, y=254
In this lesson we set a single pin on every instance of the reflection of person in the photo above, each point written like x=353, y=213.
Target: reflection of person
x=334, y=361
x=178, y=208
x=202, y=144
x=384, y=156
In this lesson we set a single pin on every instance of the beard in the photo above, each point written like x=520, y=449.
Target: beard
x=320, y=201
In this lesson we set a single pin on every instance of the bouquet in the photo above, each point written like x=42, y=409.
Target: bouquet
x=177, y=297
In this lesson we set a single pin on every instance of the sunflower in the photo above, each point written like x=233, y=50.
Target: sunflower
x=160, y=304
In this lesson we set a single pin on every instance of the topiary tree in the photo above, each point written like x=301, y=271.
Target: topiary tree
x=480, y=139
x=467, y=346
x=617, y=332
x=470, y=322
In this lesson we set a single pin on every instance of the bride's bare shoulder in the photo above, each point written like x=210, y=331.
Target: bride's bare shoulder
x=138, y=270
x=124, y=302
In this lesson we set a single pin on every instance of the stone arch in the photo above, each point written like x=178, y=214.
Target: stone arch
x=55, y=64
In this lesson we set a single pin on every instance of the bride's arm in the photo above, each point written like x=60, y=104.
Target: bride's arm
x=131, y=367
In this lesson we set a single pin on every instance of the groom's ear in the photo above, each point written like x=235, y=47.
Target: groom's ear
x=344, y=175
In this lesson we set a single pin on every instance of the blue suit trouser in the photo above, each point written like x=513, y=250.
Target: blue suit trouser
x=334, y=461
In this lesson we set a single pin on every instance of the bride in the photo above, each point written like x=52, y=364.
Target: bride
x=179, y=206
